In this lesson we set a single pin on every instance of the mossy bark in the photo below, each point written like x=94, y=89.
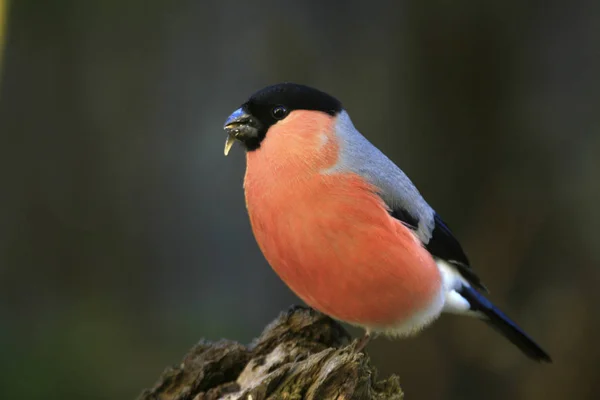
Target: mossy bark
x=301, y=355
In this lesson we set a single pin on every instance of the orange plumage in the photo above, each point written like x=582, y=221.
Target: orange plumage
x=345, y=228
x=328, y=235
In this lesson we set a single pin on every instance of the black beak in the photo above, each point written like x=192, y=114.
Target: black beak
x=240, y=126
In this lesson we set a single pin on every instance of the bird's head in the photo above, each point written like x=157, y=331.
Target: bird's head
x=283, y=109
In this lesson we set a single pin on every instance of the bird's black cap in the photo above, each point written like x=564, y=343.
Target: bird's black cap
x=251, y=122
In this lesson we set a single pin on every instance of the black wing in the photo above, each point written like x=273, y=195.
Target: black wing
x=443, y=245
x=405, y=217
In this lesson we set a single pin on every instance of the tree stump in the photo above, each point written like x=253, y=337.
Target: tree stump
x=303, y=354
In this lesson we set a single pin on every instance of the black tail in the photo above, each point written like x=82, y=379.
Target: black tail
x=504, y=325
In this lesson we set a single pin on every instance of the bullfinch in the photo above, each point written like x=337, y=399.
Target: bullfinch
x=345, y=228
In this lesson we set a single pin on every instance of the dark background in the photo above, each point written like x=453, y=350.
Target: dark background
x=123, y=232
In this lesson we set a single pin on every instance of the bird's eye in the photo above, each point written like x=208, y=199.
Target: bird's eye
x=279, y=112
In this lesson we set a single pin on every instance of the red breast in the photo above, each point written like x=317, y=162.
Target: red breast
x=329, y=236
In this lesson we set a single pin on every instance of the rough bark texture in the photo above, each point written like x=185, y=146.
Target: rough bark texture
x=301, y=355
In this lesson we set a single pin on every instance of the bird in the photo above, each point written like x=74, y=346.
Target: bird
x=345, y=228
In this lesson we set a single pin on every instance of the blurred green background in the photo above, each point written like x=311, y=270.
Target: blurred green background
x=123, y=232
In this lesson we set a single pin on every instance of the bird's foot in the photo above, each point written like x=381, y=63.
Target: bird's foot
x=362, y=343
